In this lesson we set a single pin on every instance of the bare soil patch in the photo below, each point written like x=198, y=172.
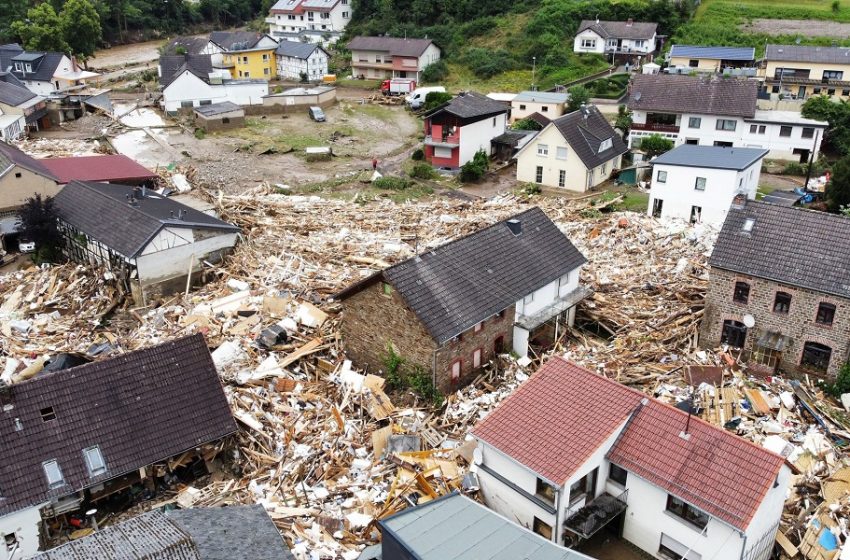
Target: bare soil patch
x=802, y=27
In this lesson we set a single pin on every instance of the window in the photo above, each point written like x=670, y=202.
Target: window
x=563, y=284
x=542, y=150
x=618, y=474
x=699, y=184
x=734, y=333
x=785, y=131
x=476, y=358
x=694, y=122
x=726, y=124
x=528, y=299
x=11, y=541
x=762, y=129
x=561, y=152
x=674, y=550
x=606, y=144
x=562, y=178
x=693, y=63
x=543, y=529
x=687, y=512
x=741, y=293
x=186, y=104
x=94, y=460
x=494, y=121
x=662, y=176
x=765, y=356
x=808, y=132
x=603, y=169
x=583, y=487
x=522, y=107
x=545, y=491
x=816, y=356
x=266, y=71
x=225, y=120
x=247, y=74
x=826, y=314
x=478, y=327
x=53, y=473
x=833, y=74
x=205, y=102
x=816, y=91
x=386, y=289
x=455, y=371
x=345, y=15
x=538, y=175
x=588, y=43
x=696, y=214
x=754, y=128
x=48, y=414
x=782, y=302
x=830, y=91
x=18, y=175
x=748, y=225
x=265, y=57
x=545, y=108
x=845, y=92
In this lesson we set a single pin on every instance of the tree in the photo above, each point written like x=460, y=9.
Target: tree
x=39, y=224
x=838, y=188
x=624, y=120
x=42, y=30
x=655, y=145
x=435, y=72
x=579, y=95
x=81, y=28
x=474, y=169
x=837, y=114
x=526, y=124
x=436, y=98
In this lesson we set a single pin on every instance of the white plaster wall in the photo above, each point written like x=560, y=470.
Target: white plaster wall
x=24, y=523
x=430, y=56
x=188, y=87
x=14, y=129
x=477, y=136
x=543, y=297
x=770, y=509
x=781, y=147
x=40, y=88
x=599, y=48
x=646, y=519
x=721, y=186
x=168, y=238
x=161, y=265
x=647, y=47
x=315, y=66
x=553, y=110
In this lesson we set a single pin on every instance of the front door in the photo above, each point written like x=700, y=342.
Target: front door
x=696, y=214
x=499, y=345
x=657, y=204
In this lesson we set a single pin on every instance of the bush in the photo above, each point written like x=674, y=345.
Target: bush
x=486, y=63
x=423, y=171
x=655, y=145
x=526, y=124
x=200, y=133
x=841, y=384
x=474, y=169
x=435, y=72
x=436, y=98
x=794, y=168
x=392, y=183
x=417, y=155
x=579, y=95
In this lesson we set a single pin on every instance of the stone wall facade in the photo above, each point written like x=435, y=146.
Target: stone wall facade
x=372, y=320
x=798, y=323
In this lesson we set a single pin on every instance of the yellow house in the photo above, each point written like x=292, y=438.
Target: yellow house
x=246, y=54
x=800, y=71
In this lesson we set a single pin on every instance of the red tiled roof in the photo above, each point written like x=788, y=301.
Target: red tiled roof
x=714, y=470
x=555, y=421
x=114, y=168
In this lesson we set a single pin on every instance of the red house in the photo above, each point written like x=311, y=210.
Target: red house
x=456, y=130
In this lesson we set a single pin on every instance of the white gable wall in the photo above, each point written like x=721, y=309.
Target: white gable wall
x=173, y=261
x=477, y=136
x=188, y=87
x=598, y=47
x=24, y=525
x=315, y=66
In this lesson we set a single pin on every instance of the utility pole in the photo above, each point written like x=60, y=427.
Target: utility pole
x=533, y=72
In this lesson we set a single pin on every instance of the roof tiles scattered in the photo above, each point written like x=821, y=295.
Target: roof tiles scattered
x=585, y=131
x=699, y=95
x=395, y=46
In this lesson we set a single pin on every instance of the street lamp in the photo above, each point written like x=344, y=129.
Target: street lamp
x=533, y=70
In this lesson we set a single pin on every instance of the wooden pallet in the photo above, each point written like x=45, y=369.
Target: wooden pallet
x=720, y=407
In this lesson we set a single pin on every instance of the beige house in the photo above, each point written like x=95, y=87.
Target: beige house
x=799, y=71
x=22, y=177
x=575, y=152
x=548, y=104
x=391, y=57
x=710, y=59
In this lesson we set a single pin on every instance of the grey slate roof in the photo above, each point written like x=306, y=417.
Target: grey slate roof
x=171, y=66
x=620, y=29
x=218, y=108
x=14, y=95
x=139, y=408
x=470, y=105
x=801, y=53
x=455, y=527
x=235, y=40
x=396, y=46
x=585, y=135
x=11, y=156
x=701, y=95
x=711, y=157
x=713, y=53
x=461, y=283
x=297, y=49
x=776, y=248
x=192, y=45
x=9, y=78
x=101, y=211
x=7, y=52
x=44, y=65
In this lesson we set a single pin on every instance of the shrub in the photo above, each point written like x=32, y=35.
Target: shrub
x=841, y=384
x=474, y=169
x=579, y=95
x=526, y=124
x=436, y=98
x=655, y=145
x=200, y=133
x=423, y=171
x=392, y=183
x=435, y=72
x=417, y=155
x=486, y=63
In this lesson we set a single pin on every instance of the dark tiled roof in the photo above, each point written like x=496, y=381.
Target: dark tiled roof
x=620, y=29
x=13, y=94
x=9, y=78
x=44, y=65
x=112, y=168
x=139, y=408
x=700, y=95
x=470, y=105
x=712, y=157
x=102, y=212
x=455, y=286
x=218, y=108
x=7, y=52
x=235, y=40
x=713, y=53
x=170, y=67
x=192, y=45
x=10, y=155
x=801, y=53
x=776, y=247
x=585, y=136
x=540, y=119
x=396, y=46
x=297, y=49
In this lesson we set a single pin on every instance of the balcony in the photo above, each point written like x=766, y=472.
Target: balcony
x=366, y=64
x=655, y=127
x=592, y=517
x=443, y=142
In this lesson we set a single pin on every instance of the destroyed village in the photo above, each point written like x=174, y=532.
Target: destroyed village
x=420, y=280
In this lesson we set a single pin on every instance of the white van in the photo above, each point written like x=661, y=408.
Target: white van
x=417, y=99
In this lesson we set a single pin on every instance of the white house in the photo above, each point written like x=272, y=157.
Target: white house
x=44, y=73
x=712, y=111
x=190, y=81
x=457, y=130
x=295, y=58
x=195, y=45
x=168, y=241
x=314, y=21
x=698, y=183
x=572, y=452
x=574, y=152
x=549, y=104
x=615, y=37
x=391, y=57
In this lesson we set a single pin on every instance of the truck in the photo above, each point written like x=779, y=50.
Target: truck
x=417, y=99
x=398, y=86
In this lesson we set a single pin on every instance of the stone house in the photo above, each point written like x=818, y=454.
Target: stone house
x=451, y=309
x=781, y=298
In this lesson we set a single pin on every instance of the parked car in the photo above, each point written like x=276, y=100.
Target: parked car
x=25, y=246
x=417, y=99
x=316, y=114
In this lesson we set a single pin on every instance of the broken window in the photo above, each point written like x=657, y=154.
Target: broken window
x=53, y=473
x=826, y=314
x=742, y=292
x=545, y=491
x=766, y=356
x=734, y=333
x=687, y=512
x=782, y=302
x=48, y=414
x=94, y=460
x=816, y=356
x=583, y=487
x=543, y=529
x=11, y=541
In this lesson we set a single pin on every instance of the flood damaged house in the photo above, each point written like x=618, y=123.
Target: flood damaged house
x=449, y=310
x=581, y=459
x=150, y=242
x=784, y=302
x=73, y=437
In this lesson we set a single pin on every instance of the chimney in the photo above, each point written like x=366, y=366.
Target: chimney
x=515, y=226
x=629, y=22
